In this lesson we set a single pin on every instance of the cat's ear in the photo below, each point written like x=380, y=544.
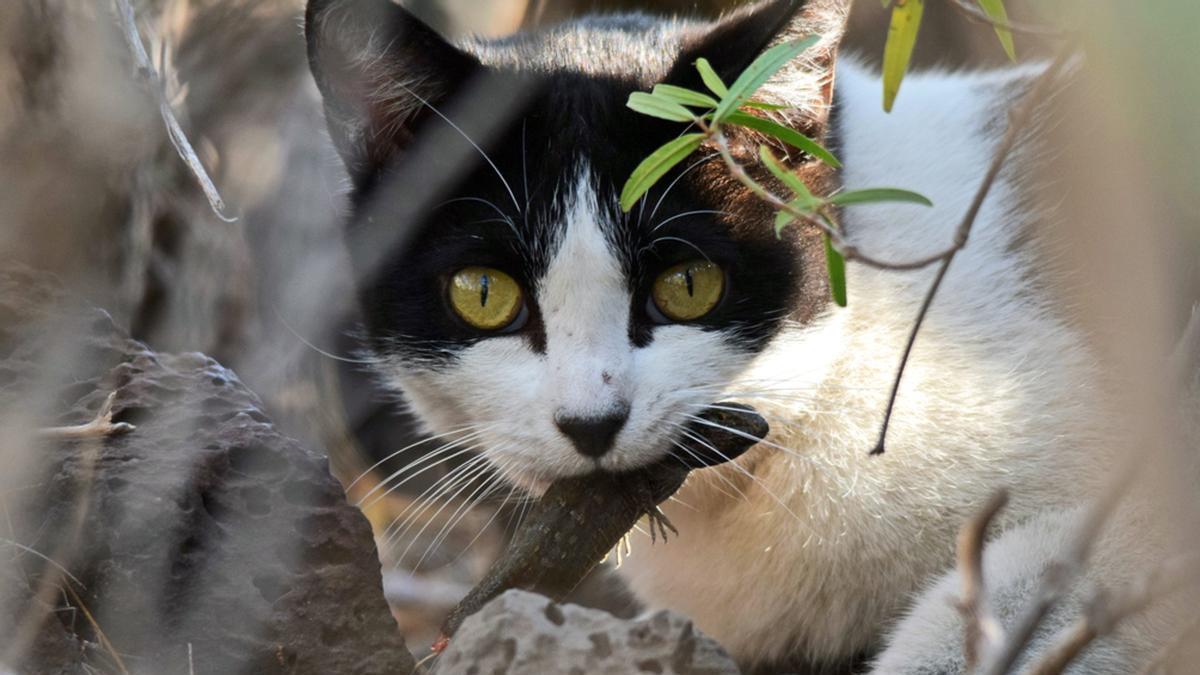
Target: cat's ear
x=378, y=67
x=737, y=39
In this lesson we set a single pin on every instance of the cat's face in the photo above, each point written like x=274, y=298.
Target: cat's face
x=523, y=311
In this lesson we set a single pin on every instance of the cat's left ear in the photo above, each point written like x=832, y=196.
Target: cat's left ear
x=738, y=38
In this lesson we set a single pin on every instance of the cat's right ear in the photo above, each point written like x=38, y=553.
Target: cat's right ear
x=378, y=68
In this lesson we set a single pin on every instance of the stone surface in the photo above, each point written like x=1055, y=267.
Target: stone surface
x=522, y=632
x=203, y=542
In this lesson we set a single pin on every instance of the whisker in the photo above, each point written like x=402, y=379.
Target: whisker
x=406, y=448
x=460, y=475
x=462, y=133
x=689, y=213
x=672, y=184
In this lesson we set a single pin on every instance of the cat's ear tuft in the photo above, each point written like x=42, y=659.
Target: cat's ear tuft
x=738, y=38
x=377, y=67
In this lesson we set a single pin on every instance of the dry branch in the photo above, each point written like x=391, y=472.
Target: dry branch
x=1062, y=572
x=179, y=139
x=1109, y=607
x=983, y=630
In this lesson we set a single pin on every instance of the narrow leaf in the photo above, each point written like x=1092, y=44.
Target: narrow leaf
x=996, y=12
x=874, y=195
x=836, y=265
x=797, y=186
x=757, y=73
x=902, y=37
x=684, y=96
x=711, y=79
x=766, y=106
x=656, y=166
x=784, y=218
x=790, y=136
x=657, y=106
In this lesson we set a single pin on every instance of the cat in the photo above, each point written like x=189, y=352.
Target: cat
x=523, y=315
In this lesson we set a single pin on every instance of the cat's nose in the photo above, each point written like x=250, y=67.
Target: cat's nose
x=592, y=436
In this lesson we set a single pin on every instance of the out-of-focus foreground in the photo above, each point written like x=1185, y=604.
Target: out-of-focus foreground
x=96, y=193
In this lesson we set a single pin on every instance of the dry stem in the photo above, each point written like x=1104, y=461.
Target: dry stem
x=1061, y=572
x=175, y=132
x=100, y=426
x=1108, y=608
x=983, y=630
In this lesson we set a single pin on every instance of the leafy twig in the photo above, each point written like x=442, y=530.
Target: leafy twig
x=175, y=132
x=973, y=12
x=1018, y=118
x=983, y=630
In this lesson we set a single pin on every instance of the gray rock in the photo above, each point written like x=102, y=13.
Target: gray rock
x=203, y=542
x=522, y=632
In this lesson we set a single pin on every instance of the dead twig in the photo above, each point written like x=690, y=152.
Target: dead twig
x=1062, y=572
x=983, y=630
x=1108, y=608
x=175, y=132
x=98, y=427
x=1018, y=119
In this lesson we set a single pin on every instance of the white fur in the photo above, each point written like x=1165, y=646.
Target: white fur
x=831, y=543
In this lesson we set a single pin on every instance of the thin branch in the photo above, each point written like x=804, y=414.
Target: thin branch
x=983, y=631
x=1018, y=118
x=175, y=132
x=1061, y=572
x=975, y=13
x=1108, y=608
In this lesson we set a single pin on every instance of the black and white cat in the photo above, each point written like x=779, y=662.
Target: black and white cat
x=522, y=313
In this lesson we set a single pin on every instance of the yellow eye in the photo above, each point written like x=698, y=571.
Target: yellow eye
x=689, y=290
x=486, y=298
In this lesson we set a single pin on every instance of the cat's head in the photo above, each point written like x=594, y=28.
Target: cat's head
x=508, y=296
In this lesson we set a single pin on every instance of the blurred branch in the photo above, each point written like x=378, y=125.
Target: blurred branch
x=1062, y=572
x=183, y=146
x=975, y=13
x=983, y=631
x=1185, y=360
x=1108, y=608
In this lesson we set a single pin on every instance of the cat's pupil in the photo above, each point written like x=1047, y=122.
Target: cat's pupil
x=483, y=292
x=687, y=275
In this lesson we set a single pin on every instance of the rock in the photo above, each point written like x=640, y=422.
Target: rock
x=203, y=542
x=521, y=632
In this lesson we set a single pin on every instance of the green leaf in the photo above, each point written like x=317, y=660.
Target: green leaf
x=657, y=106
x=789, y=136
x=836, y=266
x=757, y=73
x=773, y=107
x=874, y=195
x=656, y=166
x=684, y=96
x=783, y=218
x=996, y=12
x=902, y=37
x=797, y=186
x=711, y=79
